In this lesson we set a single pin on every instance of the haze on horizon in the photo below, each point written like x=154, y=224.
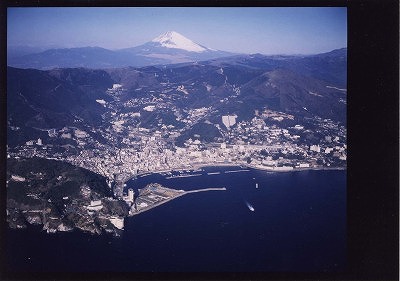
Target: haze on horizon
x=266, y=30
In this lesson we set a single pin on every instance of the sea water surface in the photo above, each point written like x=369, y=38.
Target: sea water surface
x=298, y=224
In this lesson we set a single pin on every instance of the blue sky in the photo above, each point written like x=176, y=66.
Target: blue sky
x=243, y=30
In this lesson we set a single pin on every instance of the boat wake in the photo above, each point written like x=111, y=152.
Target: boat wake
x=251, y=208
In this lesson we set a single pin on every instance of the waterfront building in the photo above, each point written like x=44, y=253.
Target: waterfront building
x=131, y=194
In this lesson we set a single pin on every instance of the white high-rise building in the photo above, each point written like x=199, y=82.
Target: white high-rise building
x=131, y=194
x=39, y=141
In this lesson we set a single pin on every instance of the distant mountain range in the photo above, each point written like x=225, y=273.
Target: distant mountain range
x=170, y=47
x=174, y=48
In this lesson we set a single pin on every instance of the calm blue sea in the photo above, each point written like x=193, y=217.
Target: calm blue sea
x=298, y=224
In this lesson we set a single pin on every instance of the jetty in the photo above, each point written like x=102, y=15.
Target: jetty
x=155, y=195
x=205, y=189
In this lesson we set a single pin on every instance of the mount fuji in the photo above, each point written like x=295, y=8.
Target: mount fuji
x=168, y=48
x=173, y=47
x=174, y=40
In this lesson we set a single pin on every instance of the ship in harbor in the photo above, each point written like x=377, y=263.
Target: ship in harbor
x=214, y=173
x=183, y=176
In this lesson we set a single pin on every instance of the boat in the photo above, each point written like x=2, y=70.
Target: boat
x=251, y=208
x=256, y=185
x=236, y=171
x=183, y=176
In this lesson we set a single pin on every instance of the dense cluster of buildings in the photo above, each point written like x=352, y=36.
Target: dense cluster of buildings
x=127, y=149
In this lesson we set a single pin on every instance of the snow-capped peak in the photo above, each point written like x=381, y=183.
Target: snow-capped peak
x=172, y=39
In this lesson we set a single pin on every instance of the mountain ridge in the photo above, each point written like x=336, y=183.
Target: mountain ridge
x=170, y=47
x=237, y=85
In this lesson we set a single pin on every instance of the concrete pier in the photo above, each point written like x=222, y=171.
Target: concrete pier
x=177, y=193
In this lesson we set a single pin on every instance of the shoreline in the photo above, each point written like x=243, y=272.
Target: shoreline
x=214, y=165
x=296, y=169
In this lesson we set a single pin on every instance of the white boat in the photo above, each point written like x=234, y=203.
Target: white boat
x=256, y=185
x=251, y=208
x=214, y=173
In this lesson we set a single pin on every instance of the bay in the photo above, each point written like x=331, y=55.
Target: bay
x=298, y=225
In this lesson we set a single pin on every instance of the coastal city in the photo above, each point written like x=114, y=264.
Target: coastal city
x=126, y=149
x=152, y=141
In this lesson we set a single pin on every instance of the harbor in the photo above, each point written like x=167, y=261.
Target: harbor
x=154, y=195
